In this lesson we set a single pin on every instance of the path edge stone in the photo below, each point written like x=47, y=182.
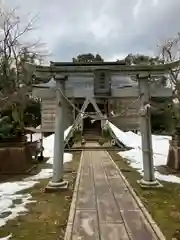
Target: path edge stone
x=72, y=211
x=146, y=214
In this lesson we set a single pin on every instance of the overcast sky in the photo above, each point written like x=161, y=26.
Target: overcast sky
x=112, y=28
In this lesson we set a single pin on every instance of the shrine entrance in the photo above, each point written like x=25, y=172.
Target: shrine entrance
x=90, y=127
x=94, y=127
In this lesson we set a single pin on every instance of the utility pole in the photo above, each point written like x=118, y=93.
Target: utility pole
x=148, y=179
x=57, y=181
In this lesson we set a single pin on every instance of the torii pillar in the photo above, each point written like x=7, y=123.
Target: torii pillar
x=148, y=179
x=57, y=182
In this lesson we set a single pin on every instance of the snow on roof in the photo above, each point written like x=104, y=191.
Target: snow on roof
x=50, y=84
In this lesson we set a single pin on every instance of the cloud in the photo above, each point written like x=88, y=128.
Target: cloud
x=110, y=27
x=137, y=8
x=155, y=2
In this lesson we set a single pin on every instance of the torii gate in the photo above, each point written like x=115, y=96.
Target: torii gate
x=143, y=74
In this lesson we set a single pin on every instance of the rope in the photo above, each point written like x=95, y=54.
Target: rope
x=120, y=114
x=73, y=106
x=98, y=118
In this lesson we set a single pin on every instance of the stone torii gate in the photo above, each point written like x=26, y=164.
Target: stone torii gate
x=142, y=72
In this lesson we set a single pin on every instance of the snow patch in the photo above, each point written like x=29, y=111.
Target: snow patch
x=44, y=174
x=6, y=238
x=134, y=156
x=48, y=144
x=13, y=204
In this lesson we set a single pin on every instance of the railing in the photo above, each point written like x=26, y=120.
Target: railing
x=68, y=134
x=115, y=140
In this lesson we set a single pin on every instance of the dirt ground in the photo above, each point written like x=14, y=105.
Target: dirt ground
x=47, y=217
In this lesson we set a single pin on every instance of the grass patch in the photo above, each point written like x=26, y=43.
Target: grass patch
x=47, y=218
x=163, y=204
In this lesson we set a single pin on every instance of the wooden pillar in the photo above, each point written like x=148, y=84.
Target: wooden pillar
x=147, y=152
x=31, y=137
x=41, y=157
x=74, y=111
x=57, y=178
x=67, y=115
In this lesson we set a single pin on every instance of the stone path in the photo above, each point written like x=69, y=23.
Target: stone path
x=102, y=206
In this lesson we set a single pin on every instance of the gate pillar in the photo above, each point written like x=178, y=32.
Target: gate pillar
x=57, y=181
x=145, y=127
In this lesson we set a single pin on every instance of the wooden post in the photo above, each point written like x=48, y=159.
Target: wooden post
x=41, y=157
x=57, y=178
x=74, y=111
x=147, y=152
x=67, y=121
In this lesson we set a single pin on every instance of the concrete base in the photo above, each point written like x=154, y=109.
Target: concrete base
x=149, y=184
x=56, y=186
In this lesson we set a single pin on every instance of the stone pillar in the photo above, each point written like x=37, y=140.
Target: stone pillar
x=145, y=127
x=57, y=178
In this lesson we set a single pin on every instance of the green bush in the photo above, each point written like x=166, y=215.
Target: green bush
x=161, y=119
x=106, y=134
x=32, y=113
x=14, y=117
x=8, y=129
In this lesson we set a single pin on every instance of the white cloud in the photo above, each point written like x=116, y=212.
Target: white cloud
x=109, y=27
x=1, y=3
x=103, y=27
x=117, y=57
x=155, y=2
x=137, y=8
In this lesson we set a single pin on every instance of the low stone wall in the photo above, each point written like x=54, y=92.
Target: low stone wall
x=15, y=158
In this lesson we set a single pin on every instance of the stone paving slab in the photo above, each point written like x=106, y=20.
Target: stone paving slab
x=102, y=207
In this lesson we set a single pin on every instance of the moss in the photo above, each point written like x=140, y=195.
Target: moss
x=106, y=134
x=77, y=136
x=163, y=204
x=47, y=218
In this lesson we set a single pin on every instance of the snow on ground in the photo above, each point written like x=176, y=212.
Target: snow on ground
x=134, y=156
x=48, y=144
x=9, y=191
x=6, y=238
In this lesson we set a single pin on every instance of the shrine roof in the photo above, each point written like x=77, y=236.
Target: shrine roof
x=50, y=84
x=87, y=63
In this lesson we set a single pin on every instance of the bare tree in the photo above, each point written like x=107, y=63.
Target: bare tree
x=14, y=49
x=169, y=51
